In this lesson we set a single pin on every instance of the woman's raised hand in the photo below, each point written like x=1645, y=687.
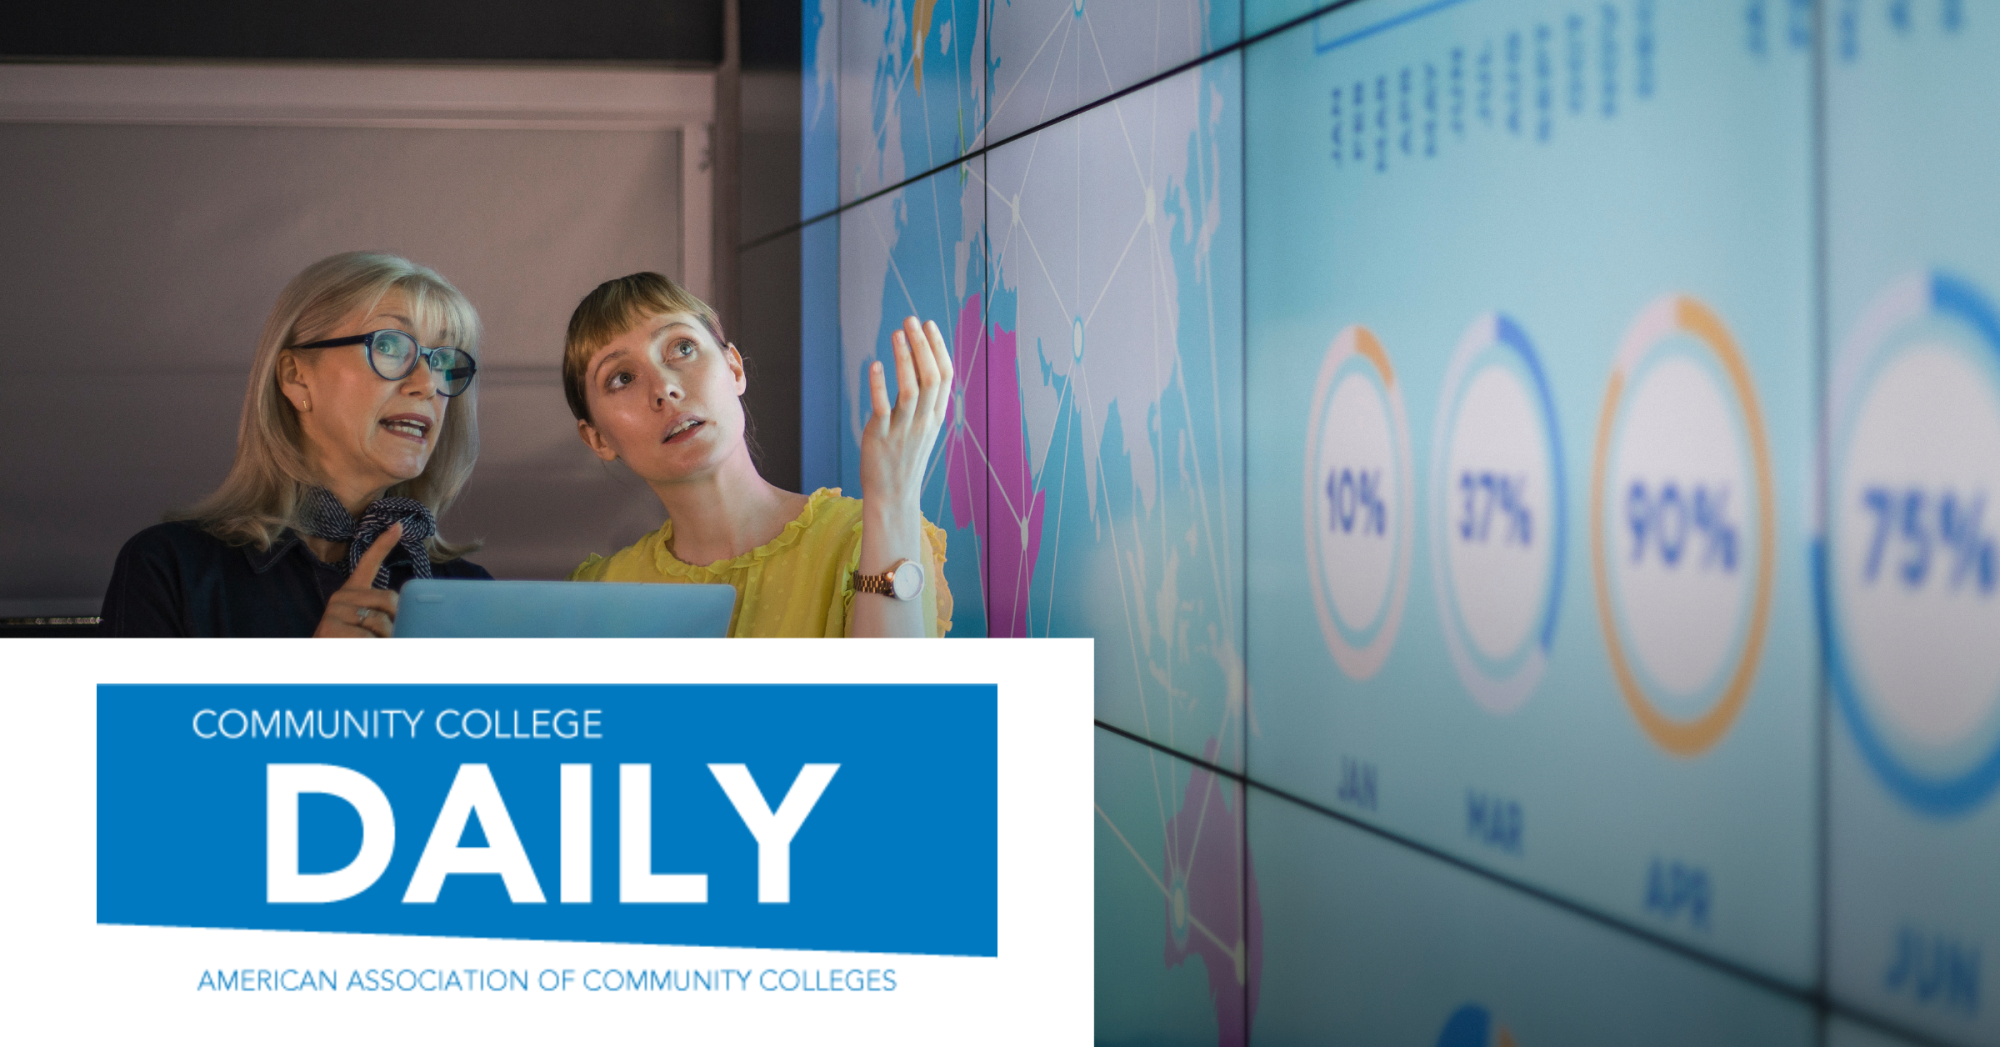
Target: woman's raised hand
x=897, y=443
x=895, y=448
x=358, y=608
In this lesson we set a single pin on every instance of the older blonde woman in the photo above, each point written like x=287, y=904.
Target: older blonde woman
x=358, y=430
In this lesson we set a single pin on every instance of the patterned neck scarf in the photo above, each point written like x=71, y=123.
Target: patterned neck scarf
x=324, y=517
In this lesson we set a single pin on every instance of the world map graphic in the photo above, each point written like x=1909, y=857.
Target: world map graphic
x=1089, y=478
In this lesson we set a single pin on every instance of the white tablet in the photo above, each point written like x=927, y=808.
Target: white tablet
x=470, y=607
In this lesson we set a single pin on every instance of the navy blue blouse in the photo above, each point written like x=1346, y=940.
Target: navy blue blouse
x=175, y=579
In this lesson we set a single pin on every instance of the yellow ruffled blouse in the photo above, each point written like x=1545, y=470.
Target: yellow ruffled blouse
x=800, y=583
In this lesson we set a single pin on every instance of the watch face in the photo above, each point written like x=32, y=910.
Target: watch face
x=908, y=580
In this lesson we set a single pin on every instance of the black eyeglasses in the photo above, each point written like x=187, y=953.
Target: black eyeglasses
x=394, y=354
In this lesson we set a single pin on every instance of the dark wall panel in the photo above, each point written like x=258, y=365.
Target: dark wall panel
x=767, y=332
x=769, y=174
x=772, y=30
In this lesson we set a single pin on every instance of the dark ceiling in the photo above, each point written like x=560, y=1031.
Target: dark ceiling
x=625, y=31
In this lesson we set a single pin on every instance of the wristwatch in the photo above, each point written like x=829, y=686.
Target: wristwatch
x=904, y=580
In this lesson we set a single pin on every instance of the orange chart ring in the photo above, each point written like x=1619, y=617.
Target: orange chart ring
x=1686, y=738
x=1361, y=663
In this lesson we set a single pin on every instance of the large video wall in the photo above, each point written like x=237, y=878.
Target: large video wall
x=1524, y=463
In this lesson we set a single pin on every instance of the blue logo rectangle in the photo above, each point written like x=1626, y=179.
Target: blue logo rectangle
x=835, y=817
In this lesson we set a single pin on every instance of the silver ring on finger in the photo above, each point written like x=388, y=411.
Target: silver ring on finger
x=362, y=614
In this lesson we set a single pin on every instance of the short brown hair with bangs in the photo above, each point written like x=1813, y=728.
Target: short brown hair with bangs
x=611, y=310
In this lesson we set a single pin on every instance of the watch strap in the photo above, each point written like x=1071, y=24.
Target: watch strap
x=883, y=584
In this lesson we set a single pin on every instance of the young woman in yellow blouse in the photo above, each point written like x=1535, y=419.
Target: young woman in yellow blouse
x=653, y=383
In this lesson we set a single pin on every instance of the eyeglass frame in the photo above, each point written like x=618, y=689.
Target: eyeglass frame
x=424, y=354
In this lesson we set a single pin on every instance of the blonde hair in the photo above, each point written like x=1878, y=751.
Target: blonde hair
x=260, y=498
x=610, y=311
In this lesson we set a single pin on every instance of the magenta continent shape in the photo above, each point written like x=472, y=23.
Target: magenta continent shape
x=986, y=468
x=1204, y=845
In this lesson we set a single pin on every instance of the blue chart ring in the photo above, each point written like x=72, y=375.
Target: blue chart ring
x=1949, y=296
x=1512, y=336
x=1469, y=1026
x=1498, y=329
